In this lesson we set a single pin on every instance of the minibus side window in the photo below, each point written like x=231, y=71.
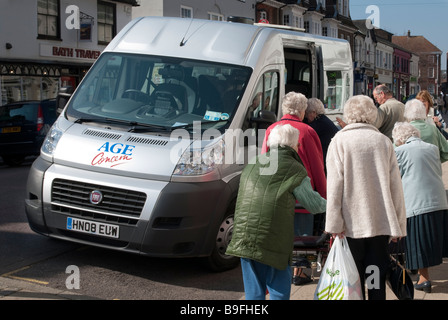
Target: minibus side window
x=333, y=97
x=265, y=96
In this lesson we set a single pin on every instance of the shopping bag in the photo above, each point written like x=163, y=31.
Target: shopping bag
x=339, y=279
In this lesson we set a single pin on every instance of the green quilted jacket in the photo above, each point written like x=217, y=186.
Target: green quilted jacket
x=264, y=214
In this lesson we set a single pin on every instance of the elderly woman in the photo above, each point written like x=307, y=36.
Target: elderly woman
x=310, y=152
x=324, y=127
x=415, y=114
x=264, y=216
x=425, y=199
x=365, y=200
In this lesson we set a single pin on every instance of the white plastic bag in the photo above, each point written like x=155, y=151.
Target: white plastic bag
x=339, y=279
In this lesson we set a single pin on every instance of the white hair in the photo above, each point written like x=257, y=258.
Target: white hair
x=403, y=131
x=294, y=103
x=414, y=110
x=360, y=108
x=314, y=104
x=283, y=135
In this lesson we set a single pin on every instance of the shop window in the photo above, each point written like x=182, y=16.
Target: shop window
x=215, y=16
x=48, y=17
x=186, y=12
x=106, y=22
x=19, y=88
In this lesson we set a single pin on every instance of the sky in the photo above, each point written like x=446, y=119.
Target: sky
x=426, y=18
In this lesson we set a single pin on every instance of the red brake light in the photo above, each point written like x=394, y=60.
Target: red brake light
x=40, y=118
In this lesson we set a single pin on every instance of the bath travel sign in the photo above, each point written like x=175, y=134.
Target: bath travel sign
x=68, y=52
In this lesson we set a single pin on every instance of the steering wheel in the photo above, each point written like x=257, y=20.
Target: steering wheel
x=136, y=95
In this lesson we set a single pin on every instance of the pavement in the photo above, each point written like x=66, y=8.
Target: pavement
x=23, y=289
x=439, y=280
x=13, y=288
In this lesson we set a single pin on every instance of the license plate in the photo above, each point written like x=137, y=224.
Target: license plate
x=11, y=129
x=93, y=227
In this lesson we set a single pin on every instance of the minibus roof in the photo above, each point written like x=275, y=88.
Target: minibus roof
x=226, y=42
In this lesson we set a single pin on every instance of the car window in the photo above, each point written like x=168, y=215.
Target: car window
x=19, y=112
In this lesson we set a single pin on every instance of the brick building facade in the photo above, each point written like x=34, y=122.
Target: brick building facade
x=429, y=62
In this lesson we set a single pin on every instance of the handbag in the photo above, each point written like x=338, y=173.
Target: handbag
x=339, y=279
x=399, y=281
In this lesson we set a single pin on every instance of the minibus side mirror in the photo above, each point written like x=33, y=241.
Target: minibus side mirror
x=62, y=98
x=265, y=119
x=262, y=122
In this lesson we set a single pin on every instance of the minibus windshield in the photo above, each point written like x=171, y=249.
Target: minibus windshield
x=159, y=92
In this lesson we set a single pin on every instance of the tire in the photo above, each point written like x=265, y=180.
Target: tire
x=218, y=261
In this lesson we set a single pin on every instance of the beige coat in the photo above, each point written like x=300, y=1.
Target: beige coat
x=364, y=190
x=389, y=113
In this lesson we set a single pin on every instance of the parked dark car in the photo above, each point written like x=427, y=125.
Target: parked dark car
x=23, y=127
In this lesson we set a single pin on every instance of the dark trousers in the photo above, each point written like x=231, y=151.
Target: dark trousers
x=371, y=254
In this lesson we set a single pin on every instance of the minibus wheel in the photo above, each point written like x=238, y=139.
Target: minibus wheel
x=219, y=260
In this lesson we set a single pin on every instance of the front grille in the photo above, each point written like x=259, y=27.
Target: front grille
x=118, y=205
x=142, y=140
x=102, y=134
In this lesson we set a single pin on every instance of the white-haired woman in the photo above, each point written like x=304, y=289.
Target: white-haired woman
x=425, y=199
x=324, y=127
x=264, y=215
x=415, y=114
x=365, y=200
x=310, y=152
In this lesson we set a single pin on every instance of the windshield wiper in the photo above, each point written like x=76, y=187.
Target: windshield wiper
x=192, y=125
x=134, y=126
x=145, y=127
x=101, y=120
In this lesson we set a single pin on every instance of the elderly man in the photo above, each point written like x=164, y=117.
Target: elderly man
x=390, y=111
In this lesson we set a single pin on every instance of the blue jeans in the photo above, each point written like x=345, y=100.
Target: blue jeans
x=259, y=277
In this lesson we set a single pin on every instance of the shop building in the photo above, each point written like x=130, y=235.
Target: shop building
x=429, y=60
x=48, y=44
x=198, y=9
x=402, y=73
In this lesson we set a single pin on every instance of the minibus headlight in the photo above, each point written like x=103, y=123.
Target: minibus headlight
x=200, y=161
x=51, y=141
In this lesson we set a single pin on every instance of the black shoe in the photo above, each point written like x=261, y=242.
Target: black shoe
x=424, y=286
